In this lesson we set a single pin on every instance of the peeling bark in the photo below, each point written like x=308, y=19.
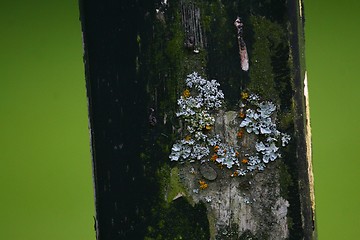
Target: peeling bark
x=191, y=20
x=242, y=45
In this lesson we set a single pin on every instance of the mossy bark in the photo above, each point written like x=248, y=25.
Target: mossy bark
x=137, y=55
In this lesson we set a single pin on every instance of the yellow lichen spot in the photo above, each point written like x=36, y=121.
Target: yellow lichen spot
x=187, y=138
x=244, y=95
x=208, y=127
x=216, y=148
x=214, y=157
x=240, y=134
x=186, y=93
x=244, y=161
x=203, y=185
x=220, y=165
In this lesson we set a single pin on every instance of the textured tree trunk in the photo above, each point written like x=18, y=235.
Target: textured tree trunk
x=137, y=57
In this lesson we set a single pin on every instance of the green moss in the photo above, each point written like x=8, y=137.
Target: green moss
x=285, y=180
x=170, y=183
x=162, y=58
x=149, y=238
x=196, y=62
x=268, y=36
x=163, y=176
x=174, y=63
x=143, y=156
x=176, y=219
x=286, y=120
x=290, y=223
x=223, y=62
x=180, y=220
x=206, y=21
x=175, y=186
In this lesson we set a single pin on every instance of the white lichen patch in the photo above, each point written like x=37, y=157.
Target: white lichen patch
x=199, y=108
x=259, y=120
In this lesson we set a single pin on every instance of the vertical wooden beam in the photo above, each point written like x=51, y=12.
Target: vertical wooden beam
x=137, y=56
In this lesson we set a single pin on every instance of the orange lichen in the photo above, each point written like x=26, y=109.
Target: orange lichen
x=186, y=93
x=203, y=185
x=244, y=161
x=235, y=174
x=244, y=95
x=241, y=114
x=216, y=148
x=214, y=157
x=237, y=153
x=240, y=133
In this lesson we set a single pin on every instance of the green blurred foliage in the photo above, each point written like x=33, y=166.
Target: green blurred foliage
x=45, y=175
x=332, y=59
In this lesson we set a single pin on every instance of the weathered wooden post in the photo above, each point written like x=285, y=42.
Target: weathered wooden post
x=177, y=156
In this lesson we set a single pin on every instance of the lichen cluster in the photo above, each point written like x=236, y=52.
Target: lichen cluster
x=258, y=120
x=198, y=107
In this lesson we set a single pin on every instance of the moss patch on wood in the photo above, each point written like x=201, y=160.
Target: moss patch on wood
x=268, y=37
x=176, y=218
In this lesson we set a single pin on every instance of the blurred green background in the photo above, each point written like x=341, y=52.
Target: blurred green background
x=46, y=188
x=45, y=174
x=332, y=58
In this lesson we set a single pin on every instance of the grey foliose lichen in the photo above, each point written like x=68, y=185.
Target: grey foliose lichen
x=198, y=100
x=197, y=108
x=197, y=105
x=259, y=120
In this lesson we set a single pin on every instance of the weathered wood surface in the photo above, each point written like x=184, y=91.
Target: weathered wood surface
x=137, y=55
